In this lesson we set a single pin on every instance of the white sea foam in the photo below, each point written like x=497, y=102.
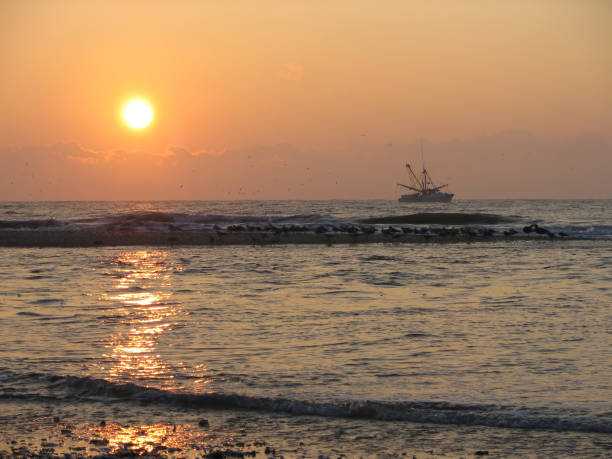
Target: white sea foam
x=86, y=388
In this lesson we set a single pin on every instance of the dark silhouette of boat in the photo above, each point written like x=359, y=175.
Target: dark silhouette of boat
x=425, y=190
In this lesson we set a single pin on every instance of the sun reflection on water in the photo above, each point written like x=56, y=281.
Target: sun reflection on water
x=145, y=310
x=144, y=439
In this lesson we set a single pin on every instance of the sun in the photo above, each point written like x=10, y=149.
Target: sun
x=138, y=113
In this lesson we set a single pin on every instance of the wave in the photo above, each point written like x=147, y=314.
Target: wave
x=165, y=228
x=589, y=231
x=47, y=301
x=441, y=218
x=74, y=388
x=182, y=218
x=136, y=219
x=31, y=224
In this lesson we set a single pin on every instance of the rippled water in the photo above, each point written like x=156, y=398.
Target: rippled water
x=491, y=334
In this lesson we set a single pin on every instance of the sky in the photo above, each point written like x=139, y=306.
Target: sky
x=305, y=99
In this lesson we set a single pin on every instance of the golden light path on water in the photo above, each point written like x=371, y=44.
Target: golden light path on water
x=149, y=315
x=142, y=439
x=142, y=300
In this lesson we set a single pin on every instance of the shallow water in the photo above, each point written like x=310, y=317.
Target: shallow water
x=500, y=337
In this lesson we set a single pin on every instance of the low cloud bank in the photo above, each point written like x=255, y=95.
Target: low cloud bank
x=506, y=165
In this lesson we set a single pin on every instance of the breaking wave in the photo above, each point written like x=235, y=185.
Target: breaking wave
x=130, y=228
x=441, y=218
x=48, y=223
x=79, y=388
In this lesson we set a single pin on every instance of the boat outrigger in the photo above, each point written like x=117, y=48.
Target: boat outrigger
x=425, y=190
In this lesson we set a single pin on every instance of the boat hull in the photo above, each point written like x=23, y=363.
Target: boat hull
x=430, y=197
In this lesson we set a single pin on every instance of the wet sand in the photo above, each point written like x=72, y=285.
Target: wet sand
x=104, y=430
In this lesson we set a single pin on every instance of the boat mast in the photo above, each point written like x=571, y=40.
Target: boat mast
x=425, y=176
x=424, y=184
x=414, y=176
x=414, y=179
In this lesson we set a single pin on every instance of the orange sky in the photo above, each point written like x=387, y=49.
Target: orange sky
x=319, y=99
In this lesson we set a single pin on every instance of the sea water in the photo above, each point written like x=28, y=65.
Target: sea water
x=497, y=346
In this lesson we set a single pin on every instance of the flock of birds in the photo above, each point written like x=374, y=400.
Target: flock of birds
x=361, y=229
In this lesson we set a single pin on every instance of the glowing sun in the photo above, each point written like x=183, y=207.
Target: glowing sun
x=137, y=114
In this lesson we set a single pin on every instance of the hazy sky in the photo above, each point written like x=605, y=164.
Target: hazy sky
x=311, y=99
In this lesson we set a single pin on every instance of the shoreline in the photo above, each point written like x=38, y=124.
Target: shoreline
x=96, y=238
x=100, y=430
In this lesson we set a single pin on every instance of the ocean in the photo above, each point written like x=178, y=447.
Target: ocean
x=489, y=339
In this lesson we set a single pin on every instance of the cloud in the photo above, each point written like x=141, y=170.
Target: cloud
x=74, y=152
x=511, y=164
x=182, y=151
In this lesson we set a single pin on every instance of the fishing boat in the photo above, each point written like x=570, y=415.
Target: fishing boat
x=424, y=188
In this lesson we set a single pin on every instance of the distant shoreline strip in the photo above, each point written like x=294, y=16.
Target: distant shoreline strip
x=51, y=238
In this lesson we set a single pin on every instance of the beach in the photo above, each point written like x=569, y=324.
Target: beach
x=328, y=230
x=309, y=345
x=167, y=432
